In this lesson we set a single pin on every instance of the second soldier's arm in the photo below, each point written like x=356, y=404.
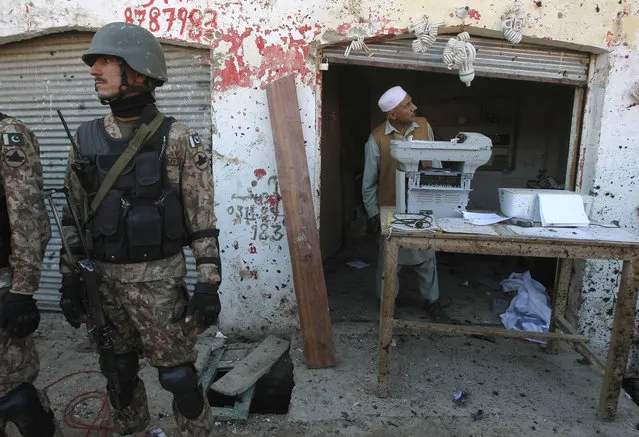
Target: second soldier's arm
x=30, y=232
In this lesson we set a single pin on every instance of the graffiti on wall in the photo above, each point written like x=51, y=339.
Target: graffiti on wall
x=260, y=209
x=160, y=18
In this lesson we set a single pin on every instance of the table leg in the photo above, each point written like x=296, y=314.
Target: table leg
x=559, y=298
x=387, y=312
x=620, y=339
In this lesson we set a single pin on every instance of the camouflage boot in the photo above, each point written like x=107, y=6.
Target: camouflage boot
x=135, y=417
x=201, y=426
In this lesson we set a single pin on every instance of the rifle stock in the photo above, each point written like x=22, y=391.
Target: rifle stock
x=98, y=327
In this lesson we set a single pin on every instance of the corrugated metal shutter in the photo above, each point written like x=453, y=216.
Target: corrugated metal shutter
x=41, y=75
x=495, y=58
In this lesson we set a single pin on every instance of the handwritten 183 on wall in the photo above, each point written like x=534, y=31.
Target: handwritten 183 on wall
x=155, y=16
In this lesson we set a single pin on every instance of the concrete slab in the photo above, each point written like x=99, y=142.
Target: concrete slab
x=519, y=388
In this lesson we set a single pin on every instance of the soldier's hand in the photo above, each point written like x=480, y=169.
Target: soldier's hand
x=20, y=315
x=373, y=225
x=204, y=306
x=71, y=300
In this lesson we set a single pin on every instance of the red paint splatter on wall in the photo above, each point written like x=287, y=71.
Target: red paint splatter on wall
x=259, y=173
x=260, y=42
x=278, y=60
x=613, y=40
x=235, y=71
x=344, y=28
x=252, y=273
x=252, y=249
x=274, y=203
x=474, y=14
x=274, y=200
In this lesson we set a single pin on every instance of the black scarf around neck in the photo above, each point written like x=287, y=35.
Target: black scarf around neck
x=131, y=106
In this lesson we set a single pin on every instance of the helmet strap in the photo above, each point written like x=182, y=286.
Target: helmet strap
x=131, y=106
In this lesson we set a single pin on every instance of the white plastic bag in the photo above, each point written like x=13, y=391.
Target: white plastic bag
x=530, y=309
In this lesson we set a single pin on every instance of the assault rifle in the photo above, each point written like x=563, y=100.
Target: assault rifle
x=81, y=166
x=91, y=300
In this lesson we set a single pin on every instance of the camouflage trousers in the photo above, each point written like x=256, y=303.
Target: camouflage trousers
x=19, y=363
x=149, y=318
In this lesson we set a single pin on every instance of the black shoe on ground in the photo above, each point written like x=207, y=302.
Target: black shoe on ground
x=435, y=311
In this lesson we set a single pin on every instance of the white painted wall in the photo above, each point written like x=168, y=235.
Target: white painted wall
x=256, y=41
x=611, y=173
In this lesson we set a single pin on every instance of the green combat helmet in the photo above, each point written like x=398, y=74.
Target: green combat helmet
x=134, y=44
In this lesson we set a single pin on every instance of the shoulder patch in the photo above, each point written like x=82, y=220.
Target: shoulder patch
x=14, y=157
x=195, y=141
x=13, y=139
x=201, y=160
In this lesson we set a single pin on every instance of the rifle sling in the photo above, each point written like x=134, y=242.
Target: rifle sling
x=143, y=133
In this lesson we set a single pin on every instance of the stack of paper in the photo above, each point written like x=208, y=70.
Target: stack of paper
x=562, y=210
x=483, y=218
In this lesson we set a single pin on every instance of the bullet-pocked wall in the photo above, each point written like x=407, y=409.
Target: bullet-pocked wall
x=254, y=42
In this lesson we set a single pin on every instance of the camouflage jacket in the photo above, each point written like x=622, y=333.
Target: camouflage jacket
x=188, y=168
x=22, y=184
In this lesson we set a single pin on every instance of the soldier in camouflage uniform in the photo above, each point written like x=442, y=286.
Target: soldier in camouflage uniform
x=24, y=233
x=159, y=201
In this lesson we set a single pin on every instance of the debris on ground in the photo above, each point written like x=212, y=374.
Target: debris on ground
x=478, y=415
x=357, y=264
x=460, y=398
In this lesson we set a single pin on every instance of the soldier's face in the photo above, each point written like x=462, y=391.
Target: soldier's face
x=106, y=71
x=108, y=77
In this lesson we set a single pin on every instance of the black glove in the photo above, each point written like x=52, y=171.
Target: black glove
x=71, y=300
x=373, y=225
x=19, y=316
x=204, y=305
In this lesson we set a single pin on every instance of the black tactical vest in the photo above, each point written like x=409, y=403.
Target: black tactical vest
x=141, y=217
x=5, y=224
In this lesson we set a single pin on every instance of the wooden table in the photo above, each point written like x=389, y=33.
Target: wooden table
x=565, y=250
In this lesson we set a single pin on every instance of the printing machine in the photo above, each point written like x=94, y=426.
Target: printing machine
x=442, y=189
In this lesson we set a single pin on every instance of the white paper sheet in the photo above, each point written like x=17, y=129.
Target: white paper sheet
x=483, y=218
x=562, y=210
x=459, y=225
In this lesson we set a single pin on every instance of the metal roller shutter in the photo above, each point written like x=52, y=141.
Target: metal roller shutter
x=495, y=58
x=43, y=74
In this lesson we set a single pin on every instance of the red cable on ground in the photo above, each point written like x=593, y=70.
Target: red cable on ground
x=100, y=421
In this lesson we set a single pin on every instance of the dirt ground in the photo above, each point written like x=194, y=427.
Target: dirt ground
x=514, y=387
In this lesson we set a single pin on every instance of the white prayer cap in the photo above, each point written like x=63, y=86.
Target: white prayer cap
x=391, y=98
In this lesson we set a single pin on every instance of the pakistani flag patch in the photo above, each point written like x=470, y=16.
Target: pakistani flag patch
x=195, y=140
x=13, y=139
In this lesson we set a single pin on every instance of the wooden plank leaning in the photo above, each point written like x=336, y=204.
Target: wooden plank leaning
x=301, y=226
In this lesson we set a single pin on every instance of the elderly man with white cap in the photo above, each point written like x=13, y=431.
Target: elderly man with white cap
x=378, y=188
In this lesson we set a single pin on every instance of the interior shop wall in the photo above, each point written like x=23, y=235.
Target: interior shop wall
x=537, y=116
